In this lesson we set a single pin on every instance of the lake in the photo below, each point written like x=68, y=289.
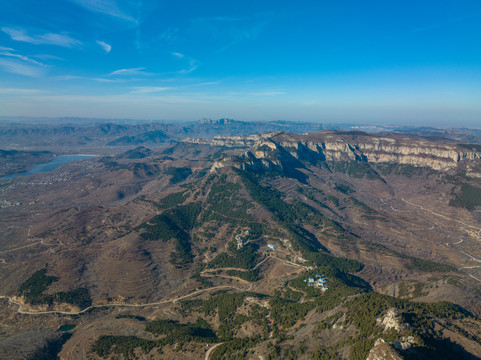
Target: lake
x=49, y=166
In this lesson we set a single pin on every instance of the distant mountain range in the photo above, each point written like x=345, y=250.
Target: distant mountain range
x=80, y=133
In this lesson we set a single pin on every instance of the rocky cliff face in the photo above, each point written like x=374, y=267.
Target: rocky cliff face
x=272, y=150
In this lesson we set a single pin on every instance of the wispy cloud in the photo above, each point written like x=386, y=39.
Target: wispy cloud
x=272, y=92
x=21, y=57
x=106, y=7
x=129, y=72
x=104, y=46
x=20, y=91
x=13, y=62
x=207, y=83
x=169, y=35
x=126, y=99
x=98, y=79
x=149, y=89
x=178, y=54
x=21, y=68
x=47, y=57
x=3, y=48
x=193, y=65
x=62, y=39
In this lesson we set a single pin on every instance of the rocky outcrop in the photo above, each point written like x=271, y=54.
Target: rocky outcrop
x=232, y=141
x=348, y=146
x=383, y=351
x=391, y=320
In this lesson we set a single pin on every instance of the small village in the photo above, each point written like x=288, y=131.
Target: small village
x=240, y=240
x=318, y=281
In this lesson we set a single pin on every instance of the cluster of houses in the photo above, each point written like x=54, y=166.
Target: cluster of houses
x=318, y=281
x=240, y=241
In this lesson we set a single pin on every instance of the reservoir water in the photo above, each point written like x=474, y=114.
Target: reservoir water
x=50, y=166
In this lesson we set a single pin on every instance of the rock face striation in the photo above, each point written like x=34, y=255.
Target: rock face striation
x=272, y=150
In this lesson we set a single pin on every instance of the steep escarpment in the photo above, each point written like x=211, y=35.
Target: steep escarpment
x=335, y=146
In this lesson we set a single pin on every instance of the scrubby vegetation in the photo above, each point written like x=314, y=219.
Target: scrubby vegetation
x=365, y=208
x=179, y=174
x=224, y=199
x=129, y=316
x=35, y=285
x=357, y=169
x=226, y=350
x=171, y=331
x=250, y=275
x=181, y=332
x=468, y=197
x=287, y=311
x=365, y=309
x=225, y=305
x=244, y=258
x=345, y=189
x=125, y=345
x=339, y=263
x=33, y=291
x=428, y=265
x=79, y=297
x=287, y=215
x=175, y=223
x=172, y=200
x=402, y=169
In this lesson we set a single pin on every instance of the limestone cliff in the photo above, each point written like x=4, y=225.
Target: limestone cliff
x=271, y=150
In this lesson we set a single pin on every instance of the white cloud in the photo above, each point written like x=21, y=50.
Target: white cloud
x=21, y=57
x=149, y=89
x=20, y=91
x=98, y=79
x=193, y=66
x=122, y=100
x=107, y=7
x=47, y=57
x=104, y=46
x=130, y=71
x=3, y=48
x=20, y=68
x=178, y=54
x=42, y=39
x=269, y=93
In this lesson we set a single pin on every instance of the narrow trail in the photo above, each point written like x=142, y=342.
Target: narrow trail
x=251, y=285
x=173, y=300
x=304, y=294
x=440, y=215
x=41, y=242
x=259, y=264
x=211, y=349
x=456, y=243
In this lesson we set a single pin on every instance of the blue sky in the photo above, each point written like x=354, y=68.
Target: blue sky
x=412, y=62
